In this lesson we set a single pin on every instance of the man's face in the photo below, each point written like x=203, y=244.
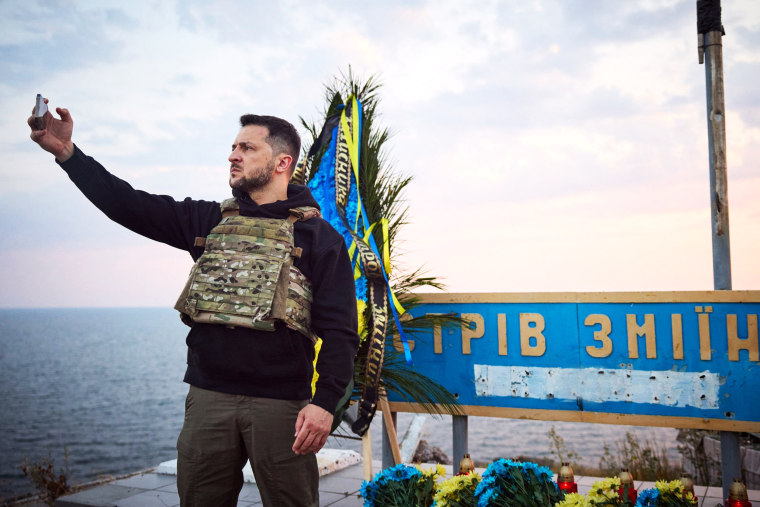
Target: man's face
x=251, y=160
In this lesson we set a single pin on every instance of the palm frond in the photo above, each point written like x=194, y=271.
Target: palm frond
x=382, y=194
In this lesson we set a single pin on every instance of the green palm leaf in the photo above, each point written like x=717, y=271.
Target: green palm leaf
x=382, y=193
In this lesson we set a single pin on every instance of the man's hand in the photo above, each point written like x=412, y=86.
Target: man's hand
x=56, y=136
x=312, y=429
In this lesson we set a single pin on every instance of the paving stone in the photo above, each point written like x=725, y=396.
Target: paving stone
x=349, y=501
x=105, y=495
x=147, y=481
x=344, y=485
x=326, y=498
x=581, y=480
x=150, y=499
x=172, y=488
x=355, y=472
x=249, y=494
x=710, y=502
x=714, y=492
x=641, y=485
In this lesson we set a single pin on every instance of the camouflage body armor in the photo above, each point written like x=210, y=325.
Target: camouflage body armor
x=246, y=275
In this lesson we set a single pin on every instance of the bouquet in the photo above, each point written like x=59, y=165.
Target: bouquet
x=401, y=486
x=508, y=483
x=607, y=493
x=602, y=493
x=459, y=491
x=666, y=494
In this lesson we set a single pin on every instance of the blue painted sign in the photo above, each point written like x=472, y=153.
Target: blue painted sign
x=686, y=359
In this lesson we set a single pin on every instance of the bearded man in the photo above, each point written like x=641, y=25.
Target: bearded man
x=270, y=276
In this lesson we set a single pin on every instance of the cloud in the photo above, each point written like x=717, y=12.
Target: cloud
x=567, y=139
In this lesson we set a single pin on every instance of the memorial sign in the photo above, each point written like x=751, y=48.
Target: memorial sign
x=680, y=359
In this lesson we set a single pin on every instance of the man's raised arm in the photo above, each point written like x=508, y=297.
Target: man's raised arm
x=158, y=217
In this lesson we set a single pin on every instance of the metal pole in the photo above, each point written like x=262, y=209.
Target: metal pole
x=716, y=137
x=711, y=32
x=459, y=430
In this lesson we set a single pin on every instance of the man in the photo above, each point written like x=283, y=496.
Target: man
x=250, y=363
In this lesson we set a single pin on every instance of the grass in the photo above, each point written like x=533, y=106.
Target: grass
x=49, y=483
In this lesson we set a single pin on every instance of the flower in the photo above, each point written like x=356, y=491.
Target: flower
x=457, y=491
x=605, y=492
x=666, y=494
x=574, y=500
x=394, y=486
x=669, y=488
x=433, y=473
x=426, y=484
x=648, y=498
x=506, y=483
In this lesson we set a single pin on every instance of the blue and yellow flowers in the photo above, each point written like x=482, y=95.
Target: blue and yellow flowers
x=401, y=486
x=666, y=494
x=507, y=483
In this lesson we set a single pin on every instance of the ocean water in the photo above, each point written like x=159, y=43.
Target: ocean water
x=101, y=390
x=102, y=385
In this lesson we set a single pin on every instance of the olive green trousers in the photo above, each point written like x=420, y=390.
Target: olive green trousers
x=223, y=431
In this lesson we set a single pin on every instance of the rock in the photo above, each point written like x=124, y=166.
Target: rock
x=425, y=453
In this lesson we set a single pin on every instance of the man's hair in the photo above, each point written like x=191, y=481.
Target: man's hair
x=283, y=136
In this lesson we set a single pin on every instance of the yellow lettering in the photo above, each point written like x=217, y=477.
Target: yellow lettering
x=502, y=321
x=646, y=330
x=735, y=344
x=399, y=345
x=705, y=349
x=676, y=325
x=528, y=331
x=437, y=338
x=468, y=333
x=602, y=335
x=437, y=341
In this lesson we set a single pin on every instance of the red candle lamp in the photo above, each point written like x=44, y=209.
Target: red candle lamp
x=466, y=465
x=737, y=495
x=566, y=479
x=688, y=487
x=626, y=486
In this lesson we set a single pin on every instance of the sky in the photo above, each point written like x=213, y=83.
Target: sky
x=554, y=145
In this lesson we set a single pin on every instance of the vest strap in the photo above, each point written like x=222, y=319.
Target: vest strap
x=305, y=213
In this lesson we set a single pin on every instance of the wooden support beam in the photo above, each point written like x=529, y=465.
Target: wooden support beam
x=390, y=429
x=367, y=455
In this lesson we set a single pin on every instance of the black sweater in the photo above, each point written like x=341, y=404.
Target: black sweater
x=238, y=360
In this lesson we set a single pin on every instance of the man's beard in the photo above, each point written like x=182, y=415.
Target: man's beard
x=256, y=182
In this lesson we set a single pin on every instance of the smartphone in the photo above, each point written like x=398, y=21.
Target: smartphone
x=40, y=108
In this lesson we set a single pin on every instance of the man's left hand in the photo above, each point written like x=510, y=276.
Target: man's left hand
x=312, y=429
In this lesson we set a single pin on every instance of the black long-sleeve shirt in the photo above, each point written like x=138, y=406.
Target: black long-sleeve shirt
x=238, y=360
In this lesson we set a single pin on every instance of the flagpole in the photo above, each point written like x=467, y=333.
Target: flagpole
x=710, y=32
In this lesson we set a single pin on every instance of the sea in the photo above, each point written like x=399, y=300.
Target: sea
x=98, y=392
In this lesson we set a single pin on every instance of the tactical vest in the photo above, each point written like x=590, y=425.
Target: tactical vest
x=246, y=275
